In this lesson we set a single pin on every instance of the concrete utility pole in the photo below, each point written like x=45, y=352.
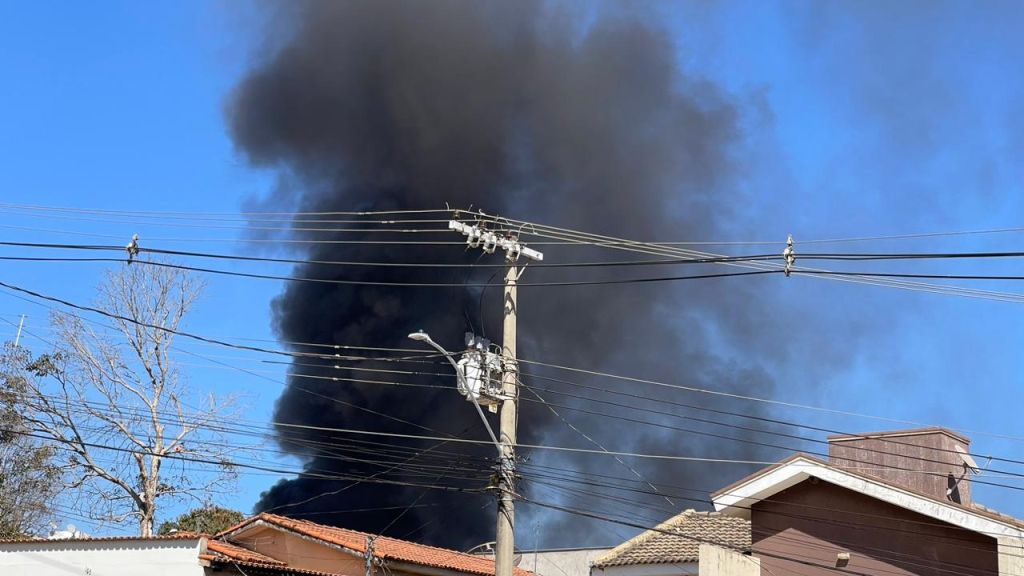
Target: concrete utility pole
x=369, y=556
x=21, y=324
x=478, y=237
x=504, y=546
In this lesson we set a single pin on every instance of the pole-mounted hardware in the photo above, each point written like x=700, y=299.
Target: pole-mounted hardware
x=789, y=255
x=464, y=386
x=489, y=242
x=132, y=248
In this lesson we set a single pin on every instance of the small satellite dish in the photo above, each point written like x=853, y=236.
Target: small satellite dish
x=968, y=460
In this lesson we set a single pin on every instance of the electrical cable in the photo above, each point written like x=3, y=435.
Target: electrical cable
x=584, y=238
x=741, y=396
x=390, y=284
x=755, y=430
x=329, y=398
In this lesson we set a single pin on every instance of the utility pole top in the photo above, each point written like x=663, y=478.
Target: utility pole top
x=479, y=237
x=21, y=324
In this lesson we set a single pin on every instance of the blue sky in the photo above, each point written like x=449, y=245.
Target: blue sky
x=861, y=119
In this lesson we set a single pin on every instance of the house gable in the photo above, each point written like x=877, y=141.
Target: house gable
x=347, y=546
x=738, y=498
x=804, y=528
x=298, y=551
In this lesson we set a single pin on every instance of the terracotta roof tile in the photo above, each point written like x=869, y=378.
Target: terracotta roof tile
x=230, y=551
x=262, y=566
x=384, y=547
x=693, y=529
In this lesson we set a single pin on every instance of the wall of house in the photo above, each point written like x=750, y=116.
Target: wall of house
x=924, y=461
x=718, y=561
x=567, y=562
x=300, y=552
x=802, y=529
x=1011, y=557
x=179, y=557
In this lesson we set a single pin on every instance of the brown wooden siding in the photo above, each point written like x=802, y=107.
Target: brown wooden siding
x=801, y=530
x=925, y=462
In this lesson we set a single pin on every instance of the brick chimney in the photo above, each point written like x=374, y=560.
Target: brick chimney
x=924, y=460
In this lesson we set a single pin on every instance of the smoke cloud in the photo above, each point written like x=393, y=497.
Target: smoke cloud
x=534, y=110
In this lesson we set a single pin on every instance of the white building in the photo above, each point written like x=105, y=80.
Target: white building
x=132, y=556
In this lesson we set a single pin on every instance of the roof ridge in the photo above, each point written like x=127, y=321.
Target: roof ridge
x=377, y=537
x=676, y=539
x=324, y=532
x=644, y=536
x=970, y=508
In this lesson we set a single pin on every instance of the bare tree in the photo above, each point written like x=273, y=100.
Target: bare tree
x=115, y=403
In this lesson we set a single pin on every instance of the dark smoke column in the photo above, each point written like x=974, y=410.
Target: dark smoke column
x=541, y=111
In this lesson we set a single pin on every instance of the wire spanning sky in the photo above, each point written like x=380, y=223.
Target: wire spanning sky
x=847, y=120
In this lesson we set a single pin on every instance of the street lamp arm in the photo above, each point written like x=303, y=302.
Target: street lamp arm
x=422, y=336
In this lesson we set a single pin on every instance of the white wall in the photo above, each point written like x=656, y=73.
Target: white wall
x=718, y=561
x=567, y=562
x=177, y=557
x=1011, y=557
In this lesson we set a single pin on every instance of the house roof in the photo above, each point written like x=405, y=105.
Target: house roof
x=737, y=498
x=261, y=568
x=690, y=529
x=228, y=554
x=219, y=549
x=384, y=547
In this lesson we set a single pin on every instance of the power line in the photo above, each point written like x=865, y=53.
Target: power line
x=248, y=215
x=263, y=350
x=742, y=396
x=871, y=465
x=193, y=214
x=204, y=339
x=597, y=240
x=905, y=275
x=665, y=261
x=726, y=424
x=590, y=372
x=391, y=284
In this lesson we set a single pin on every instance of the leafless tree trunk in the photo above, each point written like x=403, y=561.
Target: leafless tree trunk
x=114, y=401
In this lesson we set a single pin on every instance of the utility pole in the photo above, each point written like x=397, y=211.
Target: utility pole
x=488, y=241
x=17, y=337
x=504, y=546
x=369, y=555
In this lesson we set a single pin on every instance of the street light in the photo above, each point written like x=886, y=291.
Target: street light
x=422, y=336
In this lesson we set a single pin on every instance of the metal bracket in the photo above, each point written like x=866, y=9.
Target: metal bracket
x=479, y=237
x=789, y=255
x=133, y=248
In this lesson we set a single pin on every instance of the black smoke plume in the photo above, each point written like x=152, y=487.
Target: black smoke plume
x=549, y=112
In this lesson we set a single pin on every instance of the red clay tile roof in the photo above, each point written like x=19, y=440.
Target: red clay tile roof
x=230, y=551
x=693, y=528
x=263, y=567
x=384, y=548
